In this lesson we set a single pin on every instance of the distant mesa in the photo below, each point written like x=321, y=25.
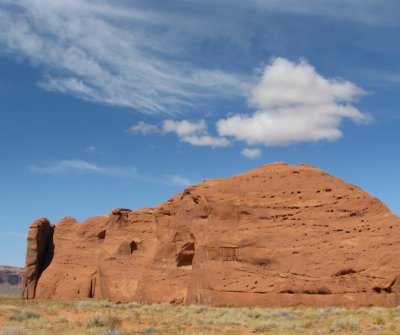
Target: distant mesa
x=10, y=279
x=279, y=235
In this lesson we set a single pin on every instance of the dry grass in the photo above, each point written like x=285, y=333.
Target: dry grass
x=89, y=317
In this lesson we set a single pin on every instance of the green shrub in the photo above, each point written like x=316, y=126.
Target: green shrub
x=13, y=331
x=149, y=330
x=349, y=324
x=98, y=320
x=109, y=331
x=264, y=327
x=19, y=315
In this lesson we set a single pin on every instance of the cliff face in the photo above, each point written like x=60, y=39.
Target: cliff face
x=39, y=254
x=278, y=235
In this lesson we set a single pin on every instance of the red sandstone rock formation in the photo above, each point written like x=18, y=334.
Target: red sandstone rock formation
x=278, y=235
x=38, y=255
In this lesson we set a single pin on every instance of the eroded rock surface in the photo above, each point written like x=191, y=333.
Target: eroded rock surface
x=278, y=235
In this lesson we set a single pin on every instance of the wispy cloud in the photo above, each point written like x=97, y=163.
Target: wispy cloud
x=73, y=167
x=114, y=54
x=195, y=133
x=80, y=166
x=182, y=181
x=134, y=54
x=142, y=55
x=367, y=11
x=251, y=153
x=143, y=128
x=379, y=78
x=294, y=104
x=90, y=148
x=370, y=12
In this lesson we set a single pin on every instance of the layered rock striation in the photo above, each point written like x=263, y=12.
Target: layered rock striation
x=278, y=235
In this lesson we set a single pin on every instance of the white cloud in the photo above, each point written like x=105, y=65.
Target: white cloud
x=143, y=128
x=194, y=133
x=80, y=166
x=206, y=140
x=251, y=153
x=185, y=128
x=293, y=104
x=114, y=54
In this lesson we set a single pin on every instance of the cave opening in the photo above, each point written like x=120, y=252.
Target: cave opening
x=101, y=235
x=186, y=255
x=133, y=246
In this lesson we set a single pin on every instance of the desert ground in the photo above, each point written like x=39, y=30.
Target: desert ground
x=84, y=317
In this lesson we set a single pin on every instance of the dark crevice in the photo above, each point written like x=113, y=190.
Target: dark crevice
x=133, y=246
x=377, y=289
x=345, y=272
x=91, y=292
x=320, y=291
x=387, y=289
x=186, y=255
x=382, y=289
x=287, y=291
x=48, y=255
x=101, y=235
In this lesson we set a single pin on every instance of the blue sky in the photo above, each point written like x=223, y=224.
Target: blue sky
x=123, y=105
